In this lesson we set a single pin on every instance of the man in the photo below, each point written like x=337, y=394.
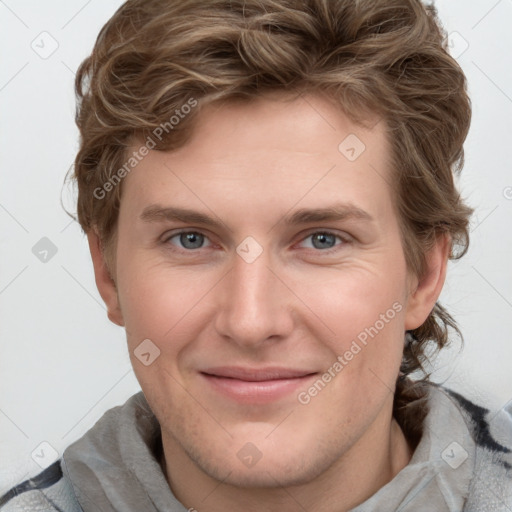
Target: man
x=267, y=190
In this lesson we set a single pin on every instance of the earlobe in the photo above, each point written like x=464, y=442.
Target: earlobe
x=425, y=293
x=104, y=282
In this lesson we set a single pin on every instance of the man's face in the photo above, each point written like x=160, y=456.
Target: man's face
x=253, y=313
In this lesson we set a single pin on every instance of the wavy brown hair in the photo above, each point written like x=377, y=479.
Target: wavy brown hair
x=371, y=57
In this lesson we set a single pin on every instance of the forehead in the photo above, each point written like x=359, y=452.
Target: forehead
x=269, y=151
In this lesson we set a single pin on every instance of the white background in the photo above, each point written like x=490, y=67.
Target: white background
x=62, y=363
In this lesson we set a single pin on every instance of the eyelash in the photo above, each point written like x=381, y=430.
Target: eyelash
x=344, y=239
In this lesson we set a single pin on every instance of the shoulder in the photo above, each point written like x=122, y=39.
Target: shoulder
x=53, y=489
x=48, y=491
x=491, y=431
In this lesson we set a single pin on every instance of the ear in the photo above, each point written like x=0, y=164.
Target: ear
x=424, y=292
x=104, y=282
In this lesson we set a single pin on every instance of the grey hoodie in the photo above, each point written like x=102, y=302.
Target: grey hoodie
x=463, y=462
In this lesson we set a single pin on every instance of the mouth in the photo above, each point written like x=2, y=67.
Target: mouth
x=256, y=386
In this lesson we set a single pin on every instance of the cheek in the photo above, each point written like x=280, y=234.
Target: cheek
x=162, y=307
x=364, y=309
x=359, y=299
x=365, y=351
x=169, y=306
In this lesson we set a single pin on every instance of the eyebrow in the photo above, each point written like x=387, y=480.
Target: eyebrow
x=335, y=212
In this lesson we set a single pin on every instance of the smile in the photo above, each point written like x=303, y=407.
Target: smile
x=256, y=386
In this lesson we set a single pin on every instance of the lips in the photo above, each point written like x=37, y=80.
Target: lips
x=256, y=375
x=256, y=385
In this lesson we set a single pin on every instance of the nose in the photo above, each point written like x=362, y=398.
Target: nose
x=254, y=304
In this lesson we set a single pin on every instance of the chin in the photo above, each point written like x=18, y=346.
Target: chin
x=273, y=470
x=267, y=479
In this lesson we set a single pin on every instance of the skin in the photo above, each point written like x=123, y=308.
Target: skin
x=295, y=306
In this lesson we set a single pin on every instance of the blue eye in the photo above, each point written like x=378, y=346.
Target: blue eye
x=189, y=239
x=324, y=240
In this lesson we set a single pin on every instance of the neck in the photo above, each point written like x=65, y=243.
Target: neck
x=371, y=463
